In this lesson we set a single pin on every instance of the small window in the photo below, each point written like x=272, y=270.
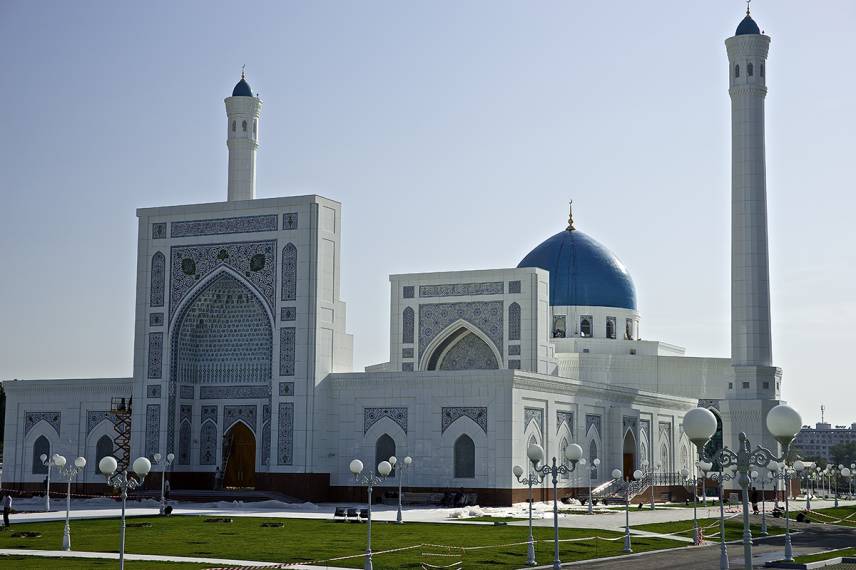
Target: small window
x=610, y=327
x=41, y=447
x=244, y=125
x=746, y=385
x=628, y=329
x=103, y=448
x=255, y=126
x=762, y=70
x=632, y=351
x=465, y=458
x=233, y=126
x=384, y=449
x=559, y=327
x=731, y=385
x=750, y=69
x=585, y=325
x=766, y=385
x=586, y=350
x=737, y=70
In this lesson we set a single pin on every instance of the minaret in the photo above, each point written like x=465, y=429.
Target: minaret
x=750, y=274
x=242, y=110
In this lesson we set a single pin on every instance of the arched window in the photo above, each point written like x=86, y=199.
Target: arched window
x=610, y=327
x=465, y=458
x=585, y=326
x=762, y=70
x=407, y=325
x=233, y=126
x=514, y=321
x=244, y=126
x=591, y=458
x=749, y=69
x=255, y=126
x=737, y=70
x=40, y=447
x=384, y=449
x=103, y=448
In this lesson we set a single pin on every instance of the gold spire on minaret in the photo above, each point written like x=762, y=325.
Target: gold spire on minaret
x=570, y=227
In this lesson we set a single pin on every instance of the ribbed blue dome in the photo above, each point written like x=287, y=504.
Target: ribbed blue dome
x=747, y=26
x=242, y=89
x=582, y=272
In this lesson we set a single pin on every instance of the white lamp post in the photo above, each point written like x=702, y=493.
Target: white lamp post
x=637, y=475
x=581, y=464
x=47, y=462
x=369, y=480
x=705, y=467
x=847, y=472
x=69, y=472
x=170, y=457
x=124, y=482
x=696, y=534
x=530, y=480
x=405, y=465
x=650, y=481
x=723, y=549
x=783, y=423
x=595, y=464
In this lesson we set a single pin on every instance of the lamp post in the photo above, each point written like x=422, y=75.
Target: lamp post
x=849, y=475
x=650, y=474
x=595, y=464
x=834, y=474
x=705, y=467
x=124, y=482
x=696, y=534
x=637, y=475
x=69, y=471
x=722, y=477
x=170, y=457
x=573, y=453
x=783, y=423
x=781, y=471
x=764, y=496
x=47, y=462
x=530, y=480
x=405, y=465
x=369, y=480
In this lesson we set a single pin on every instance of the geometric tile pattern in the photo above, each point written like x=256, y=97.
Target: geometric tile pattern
x=372, y=415
x=254, y=261
x=186, y=413
x=407, y=367
x=209, y=413
x=566, y=418
x=186, y=392
x=407, y=324
x=408, y=292
x=533, y=415
x=289, y=221
x=514, y=350
x=159, y=230
x=208, y=443
x=156, y=320
x=155, y=367
x=451, y=414
x=184, y=443
x=460, y=289
x=484, y=315
x=514, y=286
x=288, y=314
x=469, y=353
x=513, y=364
x=514, y=321
x=158, y=280
x=232, y=414
x=245, y=224
x=285, y=439
x=289, y=272
x=153, y=391
x=233, y=392
x=95, y=417
x=286, y=388
x=593, y=420
x=407, y=352
x=266, y=434
x=152, y=429
x=32, y=418
x=286, y=351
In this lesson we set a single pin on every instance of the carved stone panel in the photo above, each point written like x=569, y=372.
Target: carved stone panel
x=372, y=415
x=451, y=414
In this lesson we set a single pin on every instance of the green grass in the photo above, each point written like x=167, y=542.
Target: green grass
x=828, y=515
x=304, y=540
x=40, y=563
x=733, y=528
x=825, y=555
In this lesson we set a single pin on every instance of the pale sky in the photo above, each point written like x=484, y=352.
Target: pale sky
x=453, y=133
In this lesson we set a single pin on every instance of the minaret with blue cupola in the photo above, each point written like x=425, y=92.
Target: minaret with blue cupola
x=243, y=110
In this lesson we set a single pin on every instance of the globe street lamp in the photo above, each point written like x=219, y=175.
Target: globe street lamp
x=47, y=462
x=834, y=474
x=405, y=465
x=696, y=531
x=124, y=482
x=369, y=480
x=848, y=472
x=170, y=457
x=783, y=423
x=781, y=471
x=721, y=478
x=705, y=466
x=69, y=471
x=637, y=475
x=530, y=480
x=573, y=453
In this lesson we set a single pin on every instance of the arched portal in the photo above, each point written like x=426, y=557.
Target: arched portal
x=239, y=453
x=629, y=463
x=463, y=350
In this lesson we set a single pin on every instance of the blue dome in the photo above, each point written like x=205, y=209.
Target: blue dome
x=242, y=89
x=747, y=26
x=582, y=272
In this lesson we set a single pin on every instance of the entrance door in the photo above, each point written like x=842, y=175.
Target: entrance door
x=240, y=452
x=629, y=456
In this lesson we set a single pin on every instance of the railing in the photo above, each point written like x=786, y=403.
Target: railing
x=616, y=489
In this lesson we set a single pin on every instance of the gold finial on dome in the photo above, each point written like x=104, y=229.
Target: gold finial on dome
x=570, y=227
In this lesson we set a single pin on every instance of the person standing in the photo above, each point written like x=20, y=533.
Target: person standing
x=7, y=509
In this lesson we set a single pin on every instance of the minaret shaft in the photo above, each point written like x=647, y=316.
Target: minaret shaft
x=242, y=139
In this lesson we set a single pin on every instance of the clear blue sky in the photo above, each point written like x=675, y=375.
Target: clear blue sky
x=453, y=133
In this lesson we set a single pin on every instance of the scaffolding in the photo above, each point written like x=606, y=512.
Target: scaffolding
x=121, y=412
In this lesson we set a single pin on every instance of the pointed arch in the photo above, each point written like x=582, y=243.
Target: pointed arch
x=477, y=353
x=629, y=453
x=103, y=448
x=42, y=446
x=594, y=450
x=465, y=457
x=384, y=449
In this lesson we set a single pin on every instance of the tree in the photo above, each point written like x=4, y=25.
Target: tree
x=843, y=453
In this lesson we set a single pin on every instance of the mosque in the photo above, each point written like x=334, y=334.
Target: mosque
x=243, y=363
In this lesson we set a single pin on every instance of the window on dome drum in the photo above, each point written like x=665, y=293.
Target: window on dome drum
x=384, y=449
x=585, y=325
x=255, y=126
x=559, y=328
x=731, y=385
x=465, y=458
x=244, y=125
x=749, y=69
x=628, y=329
x=737, y=70
x=746, y=385
x=41, y=446
x=762, y=70
x=766, y=385
x=233, y=126
x=610, y=327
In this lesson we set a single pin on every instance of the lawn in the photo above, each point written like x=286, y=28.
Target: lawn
x=40, y=563
x=830, y=515
x=825, y=555
x=304, y=540
x=733, y=528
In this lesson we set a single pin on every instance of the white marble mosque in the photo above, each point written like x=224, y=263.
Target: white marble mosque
x=243, y=362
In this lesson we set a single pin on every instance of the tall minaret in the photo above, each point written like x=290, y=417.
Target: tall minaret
x=750, y=273
x=243, y=111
